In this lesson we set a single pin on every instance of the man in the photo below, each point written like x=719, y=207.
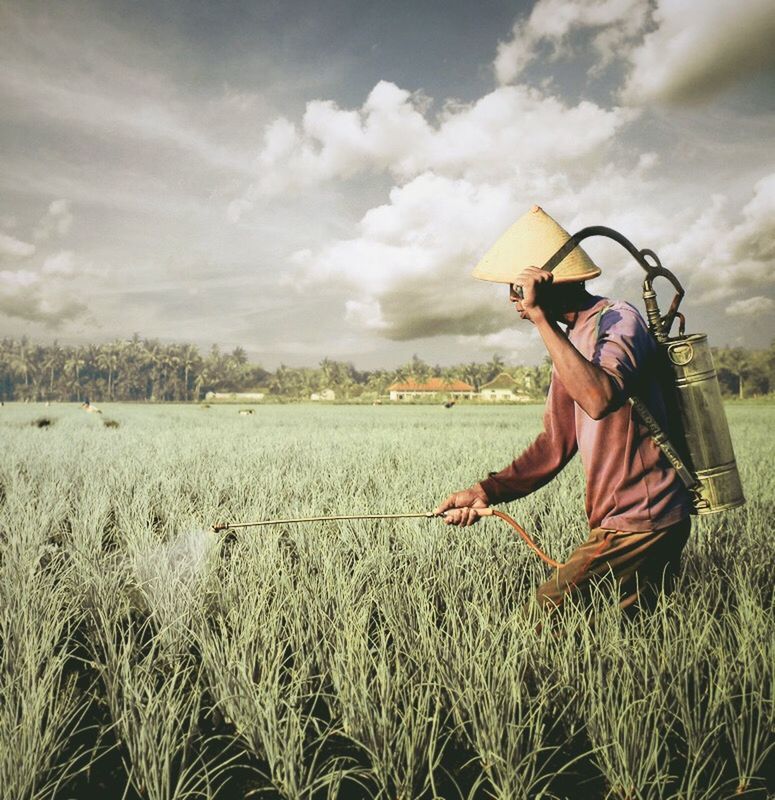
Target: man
x=637, y=507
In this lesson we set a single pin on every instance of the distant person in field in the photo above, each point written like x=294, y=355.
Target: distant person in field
x=91, y=408
x=602, y=352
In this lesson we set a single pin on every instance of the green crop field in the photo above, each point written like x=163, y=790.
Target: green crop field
x=143, y=657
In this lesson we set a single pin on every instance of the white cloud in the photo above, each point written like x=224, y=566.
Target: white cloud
x=617, y=24
x=512, y=130
x=25, y=295
x=677, y=51
x=365, y=314
x=40, y=292
x=402, y=272
x=405, y=274
x=62, y=264
x=57, y=220
x=334, y=142
x=515, y=129
x=463, y=175
x=751, y=307
x=511, y=340
x=238, y=207
x=18, y=279
x=15, y=248
x=754, y=237
x=726, y=253
x=699, y=49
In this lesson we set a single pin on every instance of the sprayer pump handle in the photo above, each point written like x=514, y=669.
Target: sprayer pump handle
x=648, y=259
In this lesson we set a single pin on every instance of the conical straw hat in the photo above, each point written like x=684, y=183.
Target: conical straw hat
x=530, y=242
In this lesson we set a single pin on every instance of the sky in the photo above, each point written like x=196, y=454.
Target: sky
x=310, y=180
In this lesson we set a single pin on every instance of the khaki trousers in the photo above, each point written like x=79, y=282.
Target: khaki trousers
x=643, y=564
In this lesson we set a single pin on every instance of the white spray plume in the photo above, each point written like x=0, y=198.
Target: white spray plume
x=170, y=576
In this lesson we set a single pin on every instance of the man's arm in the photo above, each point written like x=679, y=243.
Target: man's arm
x=589, y=385
x=536, y=466
x=552, y=449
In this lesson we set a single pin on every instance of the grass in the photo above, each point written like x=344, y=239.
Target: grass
x=141, y=656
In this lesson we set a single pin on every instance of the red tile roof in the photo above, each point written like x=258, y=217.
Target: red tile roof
x=432, y=385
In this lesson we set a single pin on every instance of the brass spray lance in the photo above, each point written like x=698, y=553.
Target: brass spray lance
x=482, y=512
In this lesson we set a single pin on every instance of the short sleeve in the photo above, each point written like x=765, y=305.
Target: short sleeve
x=623, y=346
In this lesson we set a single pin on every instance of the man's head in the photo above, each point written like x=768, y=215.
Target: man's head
x=558, y=300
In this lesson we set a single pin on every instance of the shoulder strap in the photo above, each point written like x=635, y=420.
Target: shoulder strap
x=660, y=439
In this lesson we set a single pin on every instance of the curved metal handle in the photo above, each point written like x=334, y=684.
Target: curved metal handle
x=660, y=325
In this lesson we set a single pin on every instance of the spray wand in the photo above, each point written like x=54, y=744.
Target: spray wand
x=482, y=512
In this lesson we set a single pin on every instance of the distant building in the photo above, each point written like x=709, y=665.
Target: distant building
x=502, y=387
x=431, y=389
x=325, y=395
x=235, y=397
x=505, y=389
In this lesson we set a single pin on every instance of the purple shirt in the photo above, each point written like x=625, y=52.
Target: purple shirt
x=630, y=485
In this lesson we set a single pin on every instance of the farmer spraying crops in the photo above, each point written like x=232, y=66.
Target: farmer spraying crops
x=602, y=353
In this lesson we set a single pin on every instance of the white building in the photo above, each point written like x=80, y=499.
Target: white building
x=503, y=387
x=235, y=397
x=431, y=389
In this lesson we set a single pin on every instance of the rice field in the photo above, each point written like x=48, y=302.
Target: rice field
x=143, y=657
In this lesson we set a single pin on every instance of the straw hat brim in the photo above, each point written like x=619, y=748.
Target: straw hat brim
x=530, y=242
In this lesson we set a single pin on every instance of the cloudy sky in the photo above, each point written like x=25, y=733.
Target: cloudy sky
x=313, y=179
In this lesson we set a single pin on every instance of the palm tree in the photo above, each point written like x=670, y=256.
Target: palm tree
x=74, y=362
x=287, y=381
x=732, y=367
x=52, y=361
x=6, y=369
x=21, y=362
x=108, y=360
x=475, y=374
x=418, y=369
x=191, y=360
x=378, y=381
x=215, y=368
x=36, y=358
x=495, y=366
x=152, y=368
x=327, y=370
x=171, y=365
x=90, y=372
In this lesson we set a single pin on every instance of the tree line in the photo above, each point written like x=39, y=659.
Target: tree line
x=146, y=370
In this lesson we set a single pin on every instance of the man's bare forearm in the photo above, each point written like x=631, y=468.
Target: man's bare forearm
x=589, y=385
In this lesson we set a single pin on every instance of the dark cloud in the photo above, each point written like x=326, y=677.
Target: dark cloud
x=696, y=51
x=32, y=307
x=440, y=309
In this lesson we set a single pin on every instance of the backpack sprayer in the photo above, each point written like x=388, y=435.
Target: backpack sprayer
x=697, y=444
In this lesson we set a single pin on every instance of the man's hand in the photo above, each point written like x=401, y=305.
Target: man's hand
x=534, y=283
x=461, y=506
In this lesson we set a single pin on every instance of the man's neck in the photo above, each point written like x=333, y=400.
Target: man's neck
x=585, y=301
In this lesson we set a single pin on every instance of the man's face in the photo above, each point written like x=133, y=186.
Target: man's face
x=515, y=297
x=556, y=300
